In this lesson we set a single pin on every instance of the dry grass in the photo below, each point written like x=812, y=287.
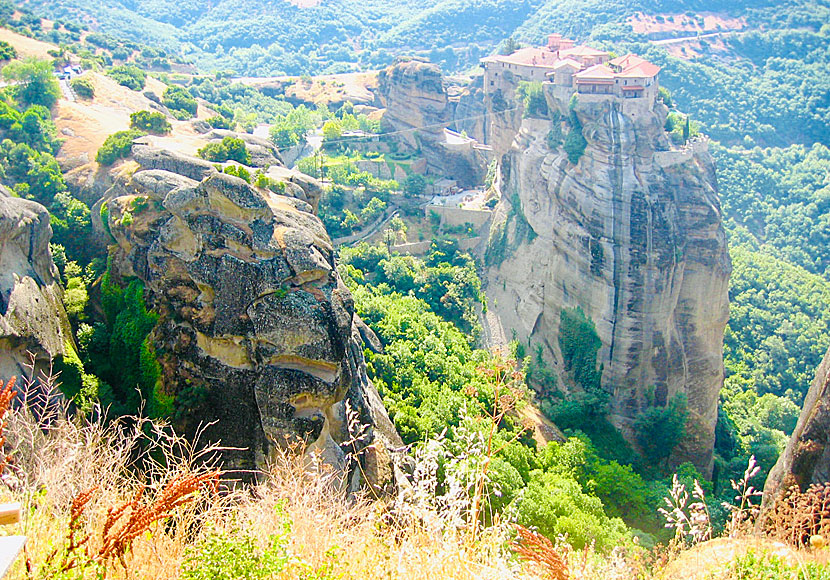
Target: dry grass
x=133, y=500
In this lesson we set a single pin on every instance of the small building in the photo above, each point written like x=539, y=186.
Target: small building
x=596, y=80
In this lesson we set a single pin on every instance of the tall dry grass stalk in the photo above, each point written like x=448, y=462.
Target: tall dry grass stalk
x=132, y=500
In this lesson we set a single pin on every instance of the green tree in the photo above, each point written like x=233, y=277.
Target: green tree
x=128, y=75
x=117, y=146
x=36, y=85
x=150, y=122
x=179, y=99
x=414, y=184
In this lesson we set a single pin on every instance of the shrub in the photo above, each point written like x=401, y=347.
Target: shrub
x=150, y=122
x=659, y=429
x=533, y=98
x=229, y=149
x=220, y=122
x=129, y=76
x=117, y=146
x=83, y=87
x=7, y=51
x=179, y=99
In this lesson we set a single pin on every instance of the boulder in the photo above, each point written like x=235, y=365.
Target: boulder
x=256, y=328
x=32, y=316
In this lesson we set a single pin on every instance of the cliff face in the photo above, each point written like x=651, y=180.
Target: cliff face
x=32, y=316
x=255, y=324
x=418, y=110
x=806, y=460
x=632, y=235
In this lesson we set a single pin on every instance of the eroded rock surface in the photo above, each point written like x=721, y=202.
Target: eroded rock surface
x=256, y=329
x=418, y=110
x=32, y=316
x=632, y=235
x=806, y=460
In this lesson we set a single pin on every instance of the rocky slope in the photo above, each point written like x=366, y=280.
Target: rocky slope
x=632, y=235
x=32, y=316
x=255, y=322
x=806, y=460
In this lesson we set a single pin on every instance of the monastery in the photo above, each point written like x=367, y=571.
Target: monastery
x=573, y=69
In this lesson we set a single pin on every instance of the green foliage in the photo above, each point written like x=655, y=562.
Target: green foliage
x=117, y=146
x=229, y=149
x=238, y=171
x=557, y=505
x=181, y=100
x=414, y=184
x=220, y=122
x=237, y=555
x=765, y=566
x=150, y=122
x=35, y=83
x=83, y=87
x=34, y=175
x=575, y=142
x=7, y=51
x=580, y=343
x=289, y=130
x=128, y=75
x=660, y=429
x=120, y=352
x=533, y=98
x=779, y=327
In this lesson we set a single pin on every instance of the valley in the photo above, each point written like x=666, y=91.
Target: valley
x=488, y=270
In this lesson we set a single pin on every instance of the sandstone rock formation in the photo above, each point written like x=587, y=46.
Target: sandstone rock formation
x=255, y=324
x=32, y=316
x=417, y=112
x=806, y=460
x=632, y=235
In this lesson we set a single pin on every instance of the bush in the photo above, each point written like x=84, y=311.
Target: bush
x=150, y=122
x=180, y=99
x=83, y=87
x=229, y=149
x=7, y=51
x=129, y=76
x=220, y=122
x=659, y=429
x=117, y=146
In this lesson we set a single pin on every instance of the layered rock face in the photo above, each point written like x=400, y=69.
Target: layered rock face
x=632, y=235
x=806, y=460
x=255, y=324
x=418, y=110
x=32, y=316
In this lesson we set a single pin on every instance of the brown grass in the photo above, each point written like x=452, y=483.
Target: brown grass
x=537, y=550
x=798, y=516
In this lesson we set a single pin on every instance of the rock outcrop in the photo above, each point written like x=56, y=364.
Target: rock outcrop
x=256, y=329
x=418, y=110
x=632, y=235
x=32, y=316
x=806, y=460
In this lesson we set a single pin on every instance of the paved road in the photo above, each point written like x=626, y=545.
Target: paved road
x=695, y=37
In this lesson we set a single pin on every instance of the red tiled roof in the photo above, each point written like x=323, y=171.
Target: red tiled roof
x=644, y=69
x=568, y=62
x=627, y=61
x=596, y=72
